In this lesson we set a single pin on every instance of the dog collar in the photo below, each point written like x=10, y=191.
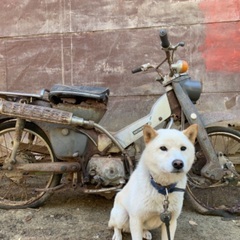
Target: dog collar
x=164, y=190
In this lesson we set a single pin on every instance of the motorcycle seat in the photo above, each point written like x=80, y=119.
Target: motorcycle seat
x=58, y=92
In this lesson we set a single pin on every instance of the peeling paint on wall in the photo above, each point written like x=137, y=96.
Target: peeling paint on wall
x=221, y=50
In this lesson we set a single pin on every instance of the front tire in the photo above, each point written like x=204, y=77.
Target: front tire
x=223, y=196
x=25, y=189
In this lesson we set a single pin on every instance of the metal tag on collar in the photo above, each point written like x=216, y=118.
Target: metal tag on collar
x=166, y=215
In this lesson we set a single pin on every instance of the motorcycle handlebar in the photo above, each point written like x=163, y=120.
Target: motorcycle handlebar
x=142, y=68
x=167, y=47
x=164, y=38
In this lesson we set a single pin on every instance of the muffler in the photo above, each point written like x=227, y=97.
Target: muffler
x=40, y=113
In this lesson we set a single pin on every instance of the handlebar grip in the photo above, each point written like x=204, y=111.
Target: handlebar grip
x=136, y=70
x=164, y=38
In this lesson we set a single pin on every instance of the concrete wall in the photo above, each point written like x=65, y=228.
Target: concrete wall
x=98, y=42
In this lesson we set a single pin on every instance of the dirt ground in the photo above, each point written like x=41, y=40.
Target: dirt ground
x=72, y=215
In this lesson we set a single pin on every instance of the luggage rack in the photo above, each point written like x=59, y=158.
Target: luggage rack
x=16, y=96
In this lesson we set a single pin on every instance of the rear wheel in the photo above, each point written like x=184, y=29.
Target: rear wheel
x=25, y=189
x=206, y=195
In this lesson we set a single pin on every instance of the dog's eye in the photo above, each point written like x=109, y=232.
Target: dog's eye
x=183, y=148
x=163, y=148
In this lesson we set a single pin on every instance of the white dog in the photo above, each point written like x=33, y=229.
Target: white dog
x=161, y=172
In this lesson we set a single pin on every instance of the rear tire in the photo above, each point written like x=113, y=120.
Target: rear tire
x=25, y=189
x=221, y=197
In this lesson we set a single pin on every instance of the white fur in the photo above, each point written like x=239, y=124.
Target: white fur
x=138, y=205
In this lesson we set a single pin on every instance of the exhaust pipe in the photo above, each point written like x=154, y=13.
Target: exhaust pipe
x=57, y=167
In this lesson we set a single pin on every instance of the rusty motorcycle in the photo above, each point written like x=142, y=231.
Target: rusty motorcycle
x=53, y=140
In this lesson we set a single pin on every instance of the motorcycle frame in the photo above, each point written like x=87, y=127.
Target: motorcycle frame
x=160, y=112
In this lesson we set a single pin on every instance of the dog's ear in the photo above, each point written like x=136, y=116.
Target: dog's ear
x=191, y=132
x=149, y=133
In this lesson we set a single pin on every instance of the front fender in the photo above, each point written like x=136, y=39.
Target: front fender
x=226, y=118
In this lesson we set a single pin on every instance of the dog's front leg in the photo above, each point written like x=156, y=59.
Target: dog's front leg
x=172, y=229
x=136, y=228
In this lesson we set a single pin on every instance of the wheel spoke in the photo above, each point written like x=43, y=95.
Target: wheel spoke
x=206, y=194
x=17, y=188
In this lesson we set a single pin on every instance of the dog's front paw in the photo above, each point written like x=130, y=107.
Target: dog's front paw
x=117, y=234
x=117, y=237
x=147, y=235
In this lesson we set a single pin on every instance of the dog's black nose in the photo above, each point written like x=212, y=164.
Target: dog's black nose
x=178, y=164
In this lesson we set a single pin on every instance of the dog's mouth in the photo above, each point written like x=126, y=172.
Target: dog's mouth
x=177, y=170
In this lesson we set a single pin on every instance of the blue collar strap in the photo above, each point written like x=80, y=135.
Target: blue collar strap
x=164, y=190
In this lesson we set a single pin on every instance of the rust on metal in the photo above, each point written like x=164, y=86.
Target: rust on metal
x=17, y=138
x=58, y=167
x=174, y=104
x=101, y=190
x=34, y=112
x=88, y=109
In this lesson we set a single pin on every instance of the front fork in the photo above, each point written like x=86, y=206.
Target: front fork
x=212, y=168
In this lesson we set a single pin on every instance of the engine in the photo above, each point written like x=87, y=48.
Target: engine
x=106, y=170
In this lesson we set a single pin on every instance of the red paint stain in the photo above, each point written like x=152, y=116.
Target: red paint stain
x=221, y=50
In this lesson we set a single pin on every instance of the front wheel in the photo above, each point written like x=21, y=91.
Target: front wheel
x=212, y=197
x=25, y=189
